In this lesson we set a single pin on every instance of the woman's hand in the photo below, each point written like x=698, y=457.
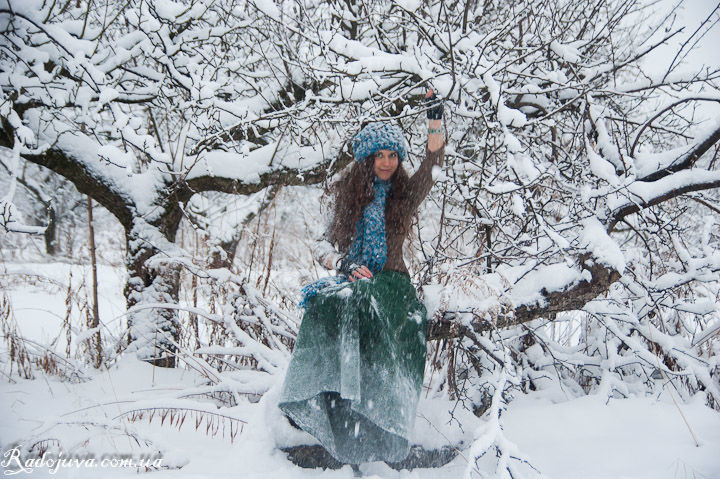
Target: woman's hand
x=361, y=272
x=352, y=270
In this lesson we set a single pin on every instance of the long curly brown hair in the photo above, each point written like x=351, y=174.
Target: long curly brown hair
x=354, y=190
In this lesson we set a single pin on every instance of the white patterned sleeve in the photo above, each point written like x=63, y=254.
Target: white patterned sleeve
x=323, y=251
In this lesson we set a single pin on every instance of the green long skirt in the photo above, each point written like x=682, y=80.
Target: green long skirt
x=356, y=372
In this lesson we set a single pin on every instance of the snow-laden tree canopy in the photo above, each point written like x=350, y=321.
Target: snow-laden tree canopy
x=574, y=179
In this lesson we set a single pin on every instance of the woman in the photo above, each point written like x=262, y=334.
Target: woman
x=355, y=376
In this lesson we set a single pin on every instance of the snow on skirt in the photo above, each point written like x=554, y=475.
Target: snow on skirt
x=356, y=371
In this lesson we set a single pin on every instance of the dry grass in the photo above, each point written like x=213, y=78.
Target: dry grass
x=214, y=423
x=17, y=352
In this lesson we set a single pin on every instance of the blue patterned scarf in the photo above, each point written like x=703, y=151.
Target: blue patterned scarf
x=369, y=247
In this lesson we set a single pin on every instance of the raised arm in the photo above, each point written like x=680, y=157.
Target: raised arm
x=421, y=182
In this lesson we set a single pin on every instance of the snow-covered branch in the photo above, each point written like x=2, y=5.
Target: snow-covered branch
x=645, y=194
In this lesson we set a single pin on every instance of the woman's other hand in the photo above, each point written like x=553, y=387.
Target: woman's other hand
x=361, y=272
x=352, y=270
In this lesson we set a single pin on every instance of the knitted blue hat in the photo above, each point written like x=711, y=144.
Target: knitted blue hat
x=379, y=136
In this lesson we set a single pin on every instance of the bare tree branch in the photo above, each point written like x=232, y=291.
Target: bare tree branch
x=84, y=180
x=687, y=160
x=571, y=298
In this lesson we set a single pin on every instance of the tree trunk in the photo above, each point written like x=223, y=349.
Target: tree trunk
x=154, y=331
x=51, y=232
x=95, y=343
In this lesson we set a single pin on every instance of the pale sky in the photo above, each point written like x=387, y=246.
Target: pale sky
x=691, y=15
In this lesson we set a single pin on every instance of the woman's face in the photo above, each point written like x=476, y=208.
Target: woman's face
x=386, y=162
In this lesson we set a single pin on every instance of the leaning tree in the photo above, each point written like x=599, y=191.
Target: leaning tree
x=142, y=107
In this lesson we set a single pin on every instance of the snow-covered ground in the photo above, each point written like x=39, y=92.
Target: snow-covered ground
x=39, y=298
x=588, y=437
